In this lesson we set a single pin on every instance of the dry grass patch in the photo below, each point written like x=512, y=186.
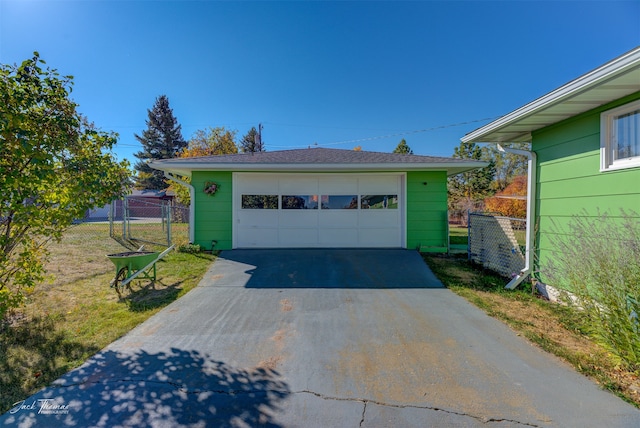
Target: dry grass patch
x=554, y=328
x=76, y=314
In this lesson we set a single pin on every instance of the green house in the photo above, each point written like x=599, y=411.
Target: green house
x=585, y=152
x=317, y=197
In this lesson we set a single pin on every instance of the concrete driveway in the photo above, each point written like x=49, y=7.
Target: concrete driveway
x=322, y=338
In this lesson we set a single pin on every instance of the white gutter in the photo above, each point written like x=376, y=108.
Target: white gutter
x=192, y=211
x=531, y=197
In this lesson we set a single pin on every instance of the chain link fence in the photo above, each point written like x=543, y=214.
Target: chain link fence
x=81, y=253
x=497, y=242
x=123, y=225
x=155, y=222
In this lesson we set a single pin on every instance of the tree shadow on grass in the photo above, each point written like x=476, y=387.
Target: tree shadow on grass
x=151, y=294
x=32, y=354
x=174, y=388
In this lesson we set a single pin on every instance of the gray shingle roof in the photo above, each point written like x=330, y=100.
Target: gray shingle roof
x=315, y=156
x=315, y=159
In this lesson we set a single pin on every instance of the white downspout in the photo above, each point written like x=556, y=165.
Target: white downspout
x=192, y=211
x=531, y=197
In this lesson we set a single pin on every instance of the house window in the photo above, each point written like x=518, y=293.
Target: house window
x=620, y=137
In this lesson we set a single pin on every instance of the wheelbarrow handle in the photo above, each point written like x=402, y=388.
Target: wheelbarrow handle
x=132, y=277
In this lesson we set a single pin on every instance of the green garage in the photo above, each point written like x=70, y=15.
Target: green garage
x=318, y=198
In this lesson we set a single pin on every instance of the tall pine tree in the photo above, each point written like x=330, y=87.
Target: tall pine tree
x=249, y=143
x=403, y=148
x=467, y=189
x=161, y=140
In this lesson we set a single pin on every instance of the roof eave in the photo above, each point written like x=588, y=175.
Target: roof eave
x=185, y=169
x=490, y=133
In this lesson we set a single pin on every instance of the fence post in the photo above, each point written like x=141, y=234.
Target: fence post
x=163, y=215
x=168, y=216
x=111, y=219
x=126, y=230
x=468, y=234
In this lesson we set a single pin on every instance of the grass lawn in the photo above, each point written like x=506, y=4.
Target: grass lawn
x=75, y=314
x=555, y=328
x=458, y=235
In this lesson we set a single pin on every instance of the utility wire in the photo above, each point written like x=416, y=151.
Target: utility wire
x=399, y=134
x=379, y=137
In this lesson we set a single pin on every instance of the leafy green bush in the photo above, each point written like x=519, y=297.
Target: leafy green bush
x=598, y=260
x=54, y=166
x=190, y=248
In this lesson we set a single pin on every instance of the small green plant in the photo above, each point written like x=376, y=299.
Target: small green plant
x=190, y=248
x=597, y=259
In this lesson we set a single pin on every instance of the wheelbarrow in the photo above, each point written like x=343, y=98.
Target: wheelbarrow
x=135, y=264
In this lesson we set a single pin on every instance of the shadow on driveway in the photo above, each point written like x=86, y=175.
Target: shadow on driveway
x=179, y=388
x=321, y=268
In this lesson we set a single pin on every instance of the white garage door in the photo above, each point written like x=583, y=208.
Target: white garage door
x=305, y=211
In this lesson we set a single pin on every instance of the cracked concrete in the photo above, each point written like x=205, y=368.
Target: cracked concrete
x=365, y=403
x=322, y=338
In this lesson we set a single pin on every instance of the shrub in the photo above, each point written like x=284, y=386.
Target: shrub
x=598, y=260
x=190, y=248
x=504, y=203
x=54, y=166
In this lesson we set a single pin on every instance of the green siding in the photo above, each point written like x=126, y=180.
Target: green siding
x=213, y=217
x=569, y=179
x=427, y=210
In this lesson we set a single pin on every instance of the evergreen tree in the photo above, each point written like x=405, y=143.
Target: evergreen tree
x=508, y=165
x=249, y=144
x=468, y=188
x=403, y=148
x=161, y=140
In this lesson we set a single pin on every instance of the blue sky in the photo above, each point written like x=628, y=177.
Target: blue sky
x=339, y=74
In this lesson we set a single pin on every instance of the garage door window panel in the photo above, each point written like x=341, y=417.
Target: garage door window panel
x=299, y=202
x=376, y=202
x=259, y=202
x=339, y=202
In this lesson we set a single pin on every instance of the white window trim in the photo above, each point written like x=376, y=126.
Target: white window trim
x=607, y=163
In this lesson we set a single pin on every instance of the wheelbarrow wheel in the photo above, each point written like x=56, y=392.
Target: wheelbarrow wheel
x=120, y=276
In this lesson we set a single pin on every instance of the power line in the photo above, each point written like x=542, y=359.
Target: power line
x=399, y=134
x=359, y=140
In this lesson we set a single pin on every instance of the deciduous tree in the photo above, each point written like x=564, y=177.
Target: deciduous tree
x=205, y=142
x=54, y=166
x=510, y=202
x=210, y=142
x=507, y=165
